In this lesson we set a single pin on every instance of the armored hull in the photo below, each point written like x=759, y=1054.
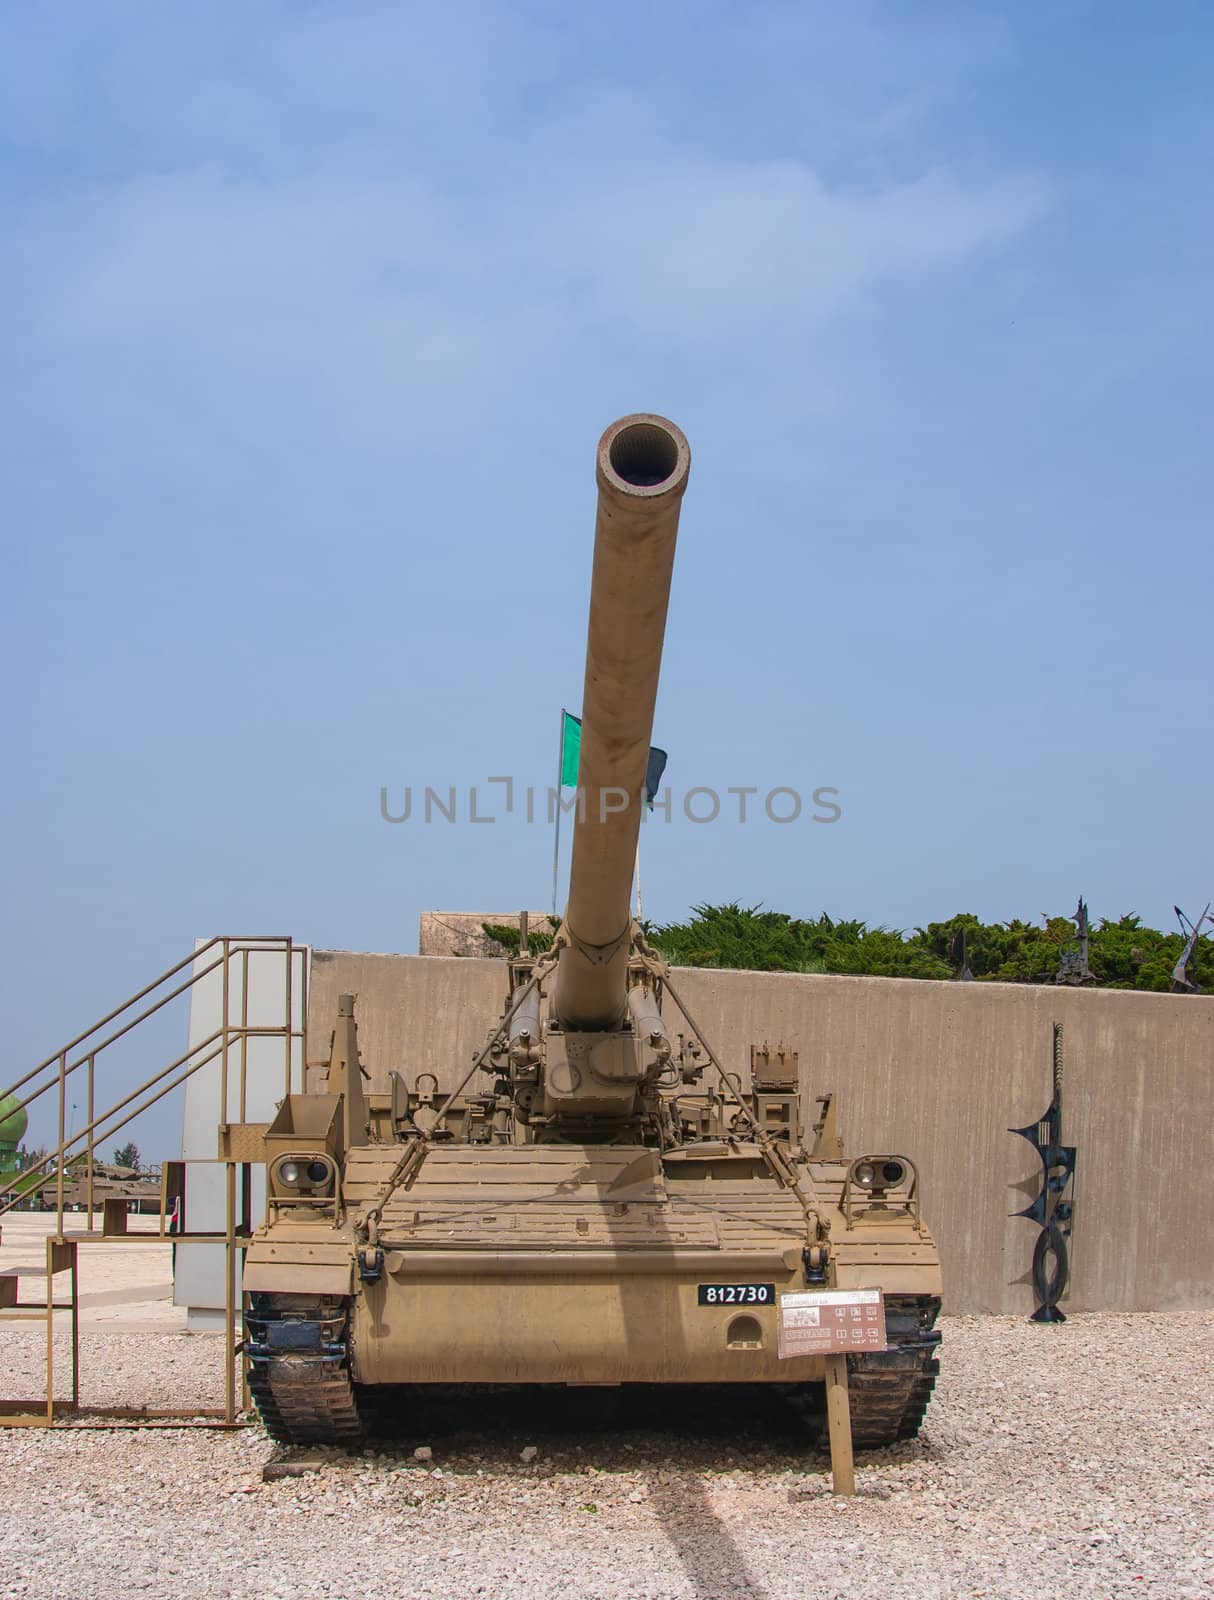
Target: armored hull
x=587, y=1265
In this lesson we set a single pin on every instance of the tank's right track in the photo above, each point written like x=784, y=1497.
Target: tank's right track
x=887, y=1390
x=299, y=1369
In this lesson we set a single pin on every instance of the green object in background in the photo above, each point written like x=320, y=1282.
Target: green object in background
x=571, y=755
x=571, y=749
x=23, y=1185
x=13, y=1123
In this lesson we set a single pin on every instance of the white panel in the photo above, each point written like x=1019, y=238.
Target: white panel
x=198, y=1275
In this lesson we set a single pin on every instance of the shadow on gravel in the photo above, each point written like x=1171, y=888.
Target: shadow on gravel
x=674, y=1443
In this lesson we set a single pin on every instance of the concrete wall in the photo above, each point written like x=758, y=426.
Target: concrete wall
x=936, y=1071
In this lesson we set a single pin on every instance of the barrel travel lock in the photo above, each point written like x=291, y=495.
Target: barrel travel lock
x=370, y=1264
x=814, y=1258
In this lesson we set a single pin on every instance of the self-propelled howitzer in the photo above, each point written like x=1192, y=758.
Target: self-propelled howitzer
x=589, y=1202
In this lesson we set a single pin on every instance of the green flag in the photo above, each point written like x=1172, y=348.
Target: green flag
x=571, y=749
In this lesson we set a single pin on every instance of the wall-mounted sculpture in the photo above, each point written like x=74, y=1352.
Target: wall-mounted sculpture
x=1053, y=1209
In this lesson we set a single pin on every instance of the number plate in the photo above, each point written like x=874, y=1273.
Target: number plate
x=737, y=1294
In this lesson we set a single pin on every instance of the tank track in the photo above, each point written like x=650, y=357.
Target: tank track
x=298, y=1352
x=888, y=1390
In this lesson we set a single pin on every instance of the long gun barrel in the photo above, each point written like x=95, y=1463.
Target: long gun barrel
x=642, y=468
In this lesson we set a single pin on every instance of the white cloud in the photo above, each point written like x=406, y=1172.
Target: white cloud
x=386, y=227
x=701, y=251
x=694, y=251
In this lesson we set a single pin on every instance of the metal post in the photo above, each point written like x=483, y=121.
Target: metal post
x=223, y=1069
x=838, y=1411
x=556, y=848
x=229, y=1322
x=75, y=1281
x=289, y=1019
x=91, y=1143
x=244, y=1034
x=62, y=1151
x=303, y=1018
x=50, y=1330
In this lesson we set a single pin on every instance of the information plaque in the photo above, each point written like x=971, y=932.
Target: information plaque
x=831, y=1322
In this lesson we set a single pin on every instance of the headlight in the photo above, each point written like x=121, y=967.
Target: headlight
x=879, y=1173
x=881, y=1185
x=303, y=1176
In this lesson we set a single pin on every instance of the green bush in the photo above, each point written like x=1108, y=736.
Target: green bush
x=538, y=940
x=1122, y=954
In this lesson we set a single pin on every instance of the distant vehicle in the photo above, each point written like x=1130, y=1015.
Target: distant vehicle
x=141, y=1189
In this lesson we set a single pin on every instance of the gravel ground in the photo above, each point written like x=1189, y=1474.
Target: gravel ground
x=1065, y=1461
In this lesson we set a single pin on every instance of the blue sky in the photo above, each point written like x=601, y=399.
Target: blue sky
x=313, y=314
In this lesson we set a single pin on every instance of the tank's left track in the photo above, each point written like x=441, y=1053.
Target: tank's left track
x=298, y=1350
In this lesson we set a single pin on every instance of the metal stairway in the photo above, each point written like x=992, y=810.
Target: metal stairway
x=67, y=1173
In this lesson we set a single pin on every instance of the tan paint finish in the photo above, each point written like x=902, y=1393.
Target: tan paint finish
x=936, y=1071
x=298, y=1277
x=636, y=528
x=542, y=1328
x=578, y=1263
